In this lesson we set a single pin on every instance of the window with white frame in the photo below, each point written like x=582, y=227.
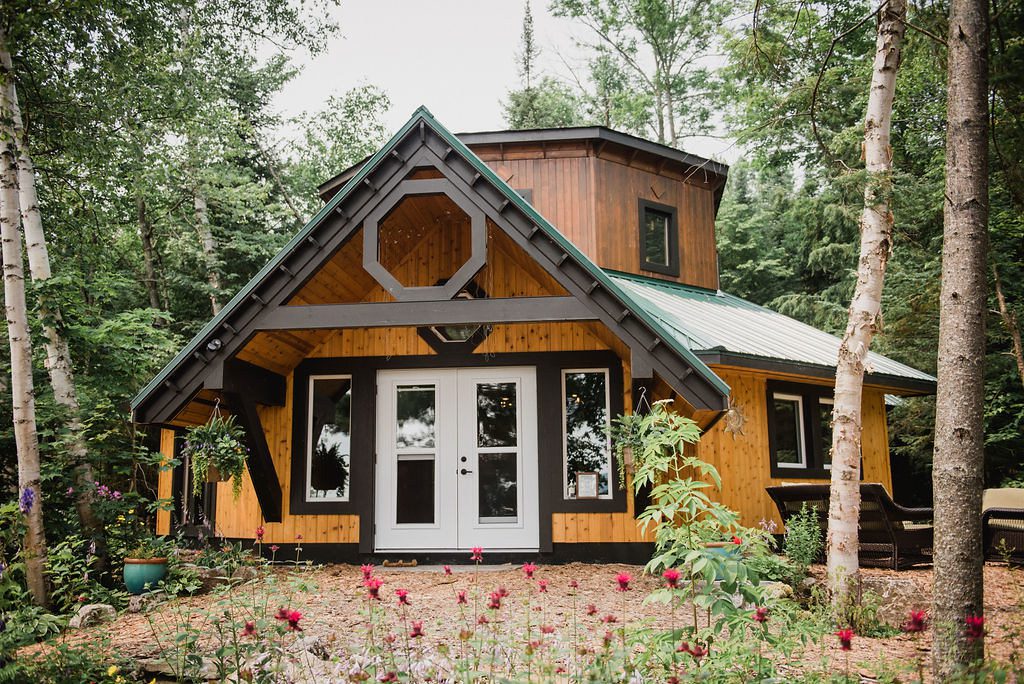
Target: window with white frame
x=788, y=423
x=585, y=420
x=329, y=438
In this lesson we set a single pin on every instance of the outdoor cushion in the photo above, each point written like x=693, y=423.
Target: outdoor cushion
x=1005, y=498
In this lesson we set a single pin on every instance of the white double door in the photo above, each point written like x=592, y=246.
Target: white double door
x=456, y=459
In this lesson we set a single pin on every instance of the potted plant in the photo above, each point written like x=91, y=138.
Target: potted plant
x=216, y=453
x=144, y=566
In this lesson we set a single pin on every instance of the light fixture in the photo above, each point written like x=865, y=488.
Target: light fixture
x=214, y=345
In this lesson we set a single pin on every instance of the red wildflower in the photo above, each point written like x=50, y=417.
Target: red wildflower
x=388, y=677
x=736, y=540
x=671, y=578
x=916, y=622
x=478, y=554
x=367, y=571
x=623, y=578
x=975, y=627
x=609, y=619
x=259, y=533
x=542, y=586
x=761, y=615
x=250, y=629
x=591, y=609
x=529, y=569
x=417, y=629
x=447, y=569
x=495, y=600
x=547, y=629
x=607, y=639
x=696, y=650
x=390, y=639
x=403, y=597
x=482, y=620
x=373, y=585
x=275, y=548
x=573, y=584
x=845, y=638
x=298, y=537
x=293, y=621
x=503, y=592
x=465, y=634
x=282, y=613
x=460, y=598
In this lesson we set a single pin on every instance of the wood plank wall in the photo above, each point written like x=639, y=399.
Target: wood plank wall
x=594, y=201
x=742, y=458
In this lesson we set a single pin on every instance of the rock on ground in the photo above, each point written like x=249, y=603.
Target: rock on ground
x=93, y=614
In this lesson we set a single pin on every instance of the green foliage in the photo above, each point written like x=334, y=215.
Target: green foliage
x=85, y=663
x=69, y=568
x=219, y=444
x=803, y=542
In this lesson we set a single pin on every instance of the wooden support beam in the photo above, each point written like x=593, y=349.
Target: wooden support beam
x=432, y=312
x=260, y=385
x=260, y=463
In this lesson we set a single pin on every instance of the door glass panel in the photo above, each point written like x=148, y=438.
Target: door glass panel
x=416, y=410
x=330, y=433
x=498, y=486
x=415, y=491
x=496, y=414
x=587, y=445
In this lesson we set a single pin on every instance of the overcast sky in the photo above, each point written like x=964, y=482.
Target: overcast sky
x=457, y=57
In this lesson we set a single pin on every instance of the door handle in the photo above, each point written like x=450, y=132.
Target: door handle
x=463, y=471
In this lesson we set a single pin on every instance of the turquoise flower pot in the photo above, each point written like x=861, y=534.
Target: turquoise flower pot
x=140, y=572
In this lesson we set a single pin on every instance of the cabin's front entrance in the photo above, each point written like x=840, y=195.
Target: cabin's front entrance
x=457, y=459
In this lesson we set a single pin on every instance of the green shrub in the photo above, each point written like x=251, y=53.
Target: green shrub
x=803, y=539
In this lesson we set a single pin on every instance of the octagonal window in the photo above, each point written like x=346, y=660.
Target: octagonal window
x=424, y=239
x=461, y=339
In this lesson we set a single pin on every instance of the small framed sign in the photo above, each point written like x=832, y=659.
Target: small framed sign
x=586, y=485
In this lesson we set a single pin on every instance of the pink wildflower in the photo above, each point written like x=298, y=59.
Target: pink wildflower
x=447, y=569
x=845, y=638
x=373, y=585
x=417, y=629
x=403, y=597
x=367, y=571
x=250, y=629
x=975, y=627
x=460, y=598
x=542, y=586
x=478, y=554
x=529, y=569
x=623, y=578
x=495, y=601
x=916, y=622
x=761, y=615
x=591, y=609
x=671, y=578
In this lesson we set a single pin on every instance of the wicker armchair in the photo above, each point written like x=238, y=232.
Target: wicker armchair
x=1002, y=523
x=895, y=535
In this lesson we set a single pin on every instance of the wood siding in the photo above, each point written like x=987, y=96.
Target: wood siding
x=743, y=458
x=593, y=199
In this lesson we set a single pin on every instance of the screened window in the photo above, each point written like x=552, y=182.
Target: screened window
x=587, y=446
x=328, y=457
x=788, y=423
x=659, y=238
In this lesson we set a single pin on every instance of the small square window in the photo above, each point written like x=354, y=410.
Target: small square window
x=788, y=418
x=659, y=238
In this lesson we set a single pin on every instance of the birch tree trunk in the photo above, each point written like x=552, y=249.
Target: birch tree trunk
x=209, y=249
x=58, y=354
x=865, y=309
x=22, y=391
x=958, y=459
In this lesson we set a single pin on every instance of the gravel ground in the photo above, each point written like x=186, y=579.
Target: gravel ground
x=331, y=610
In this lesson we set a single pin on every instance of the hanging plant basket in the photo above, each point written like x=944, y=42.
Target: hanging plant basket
x=216, y=452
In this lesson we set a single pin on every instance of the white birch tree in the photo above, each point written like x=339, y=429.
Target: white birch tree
x=22, y=390
x=865, y=309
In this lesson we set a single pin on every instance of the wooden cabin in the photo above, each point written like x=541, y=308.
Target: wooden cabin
x=430, y=364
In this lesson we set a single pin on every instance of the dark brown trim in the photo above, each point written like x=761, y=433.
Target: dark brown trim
x=672, y=269
x=634, y=553
x=430, y=312
x=812, y=370
x=814, y=448
x=259, y=462
x=364, y=378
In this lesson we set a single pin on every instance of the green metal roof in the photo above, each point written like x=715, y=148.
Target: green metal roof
x=423, y=115
x=714, y=322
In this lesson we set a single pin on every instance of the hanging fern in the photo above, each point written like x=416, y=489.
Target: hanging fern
x=217, y=444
